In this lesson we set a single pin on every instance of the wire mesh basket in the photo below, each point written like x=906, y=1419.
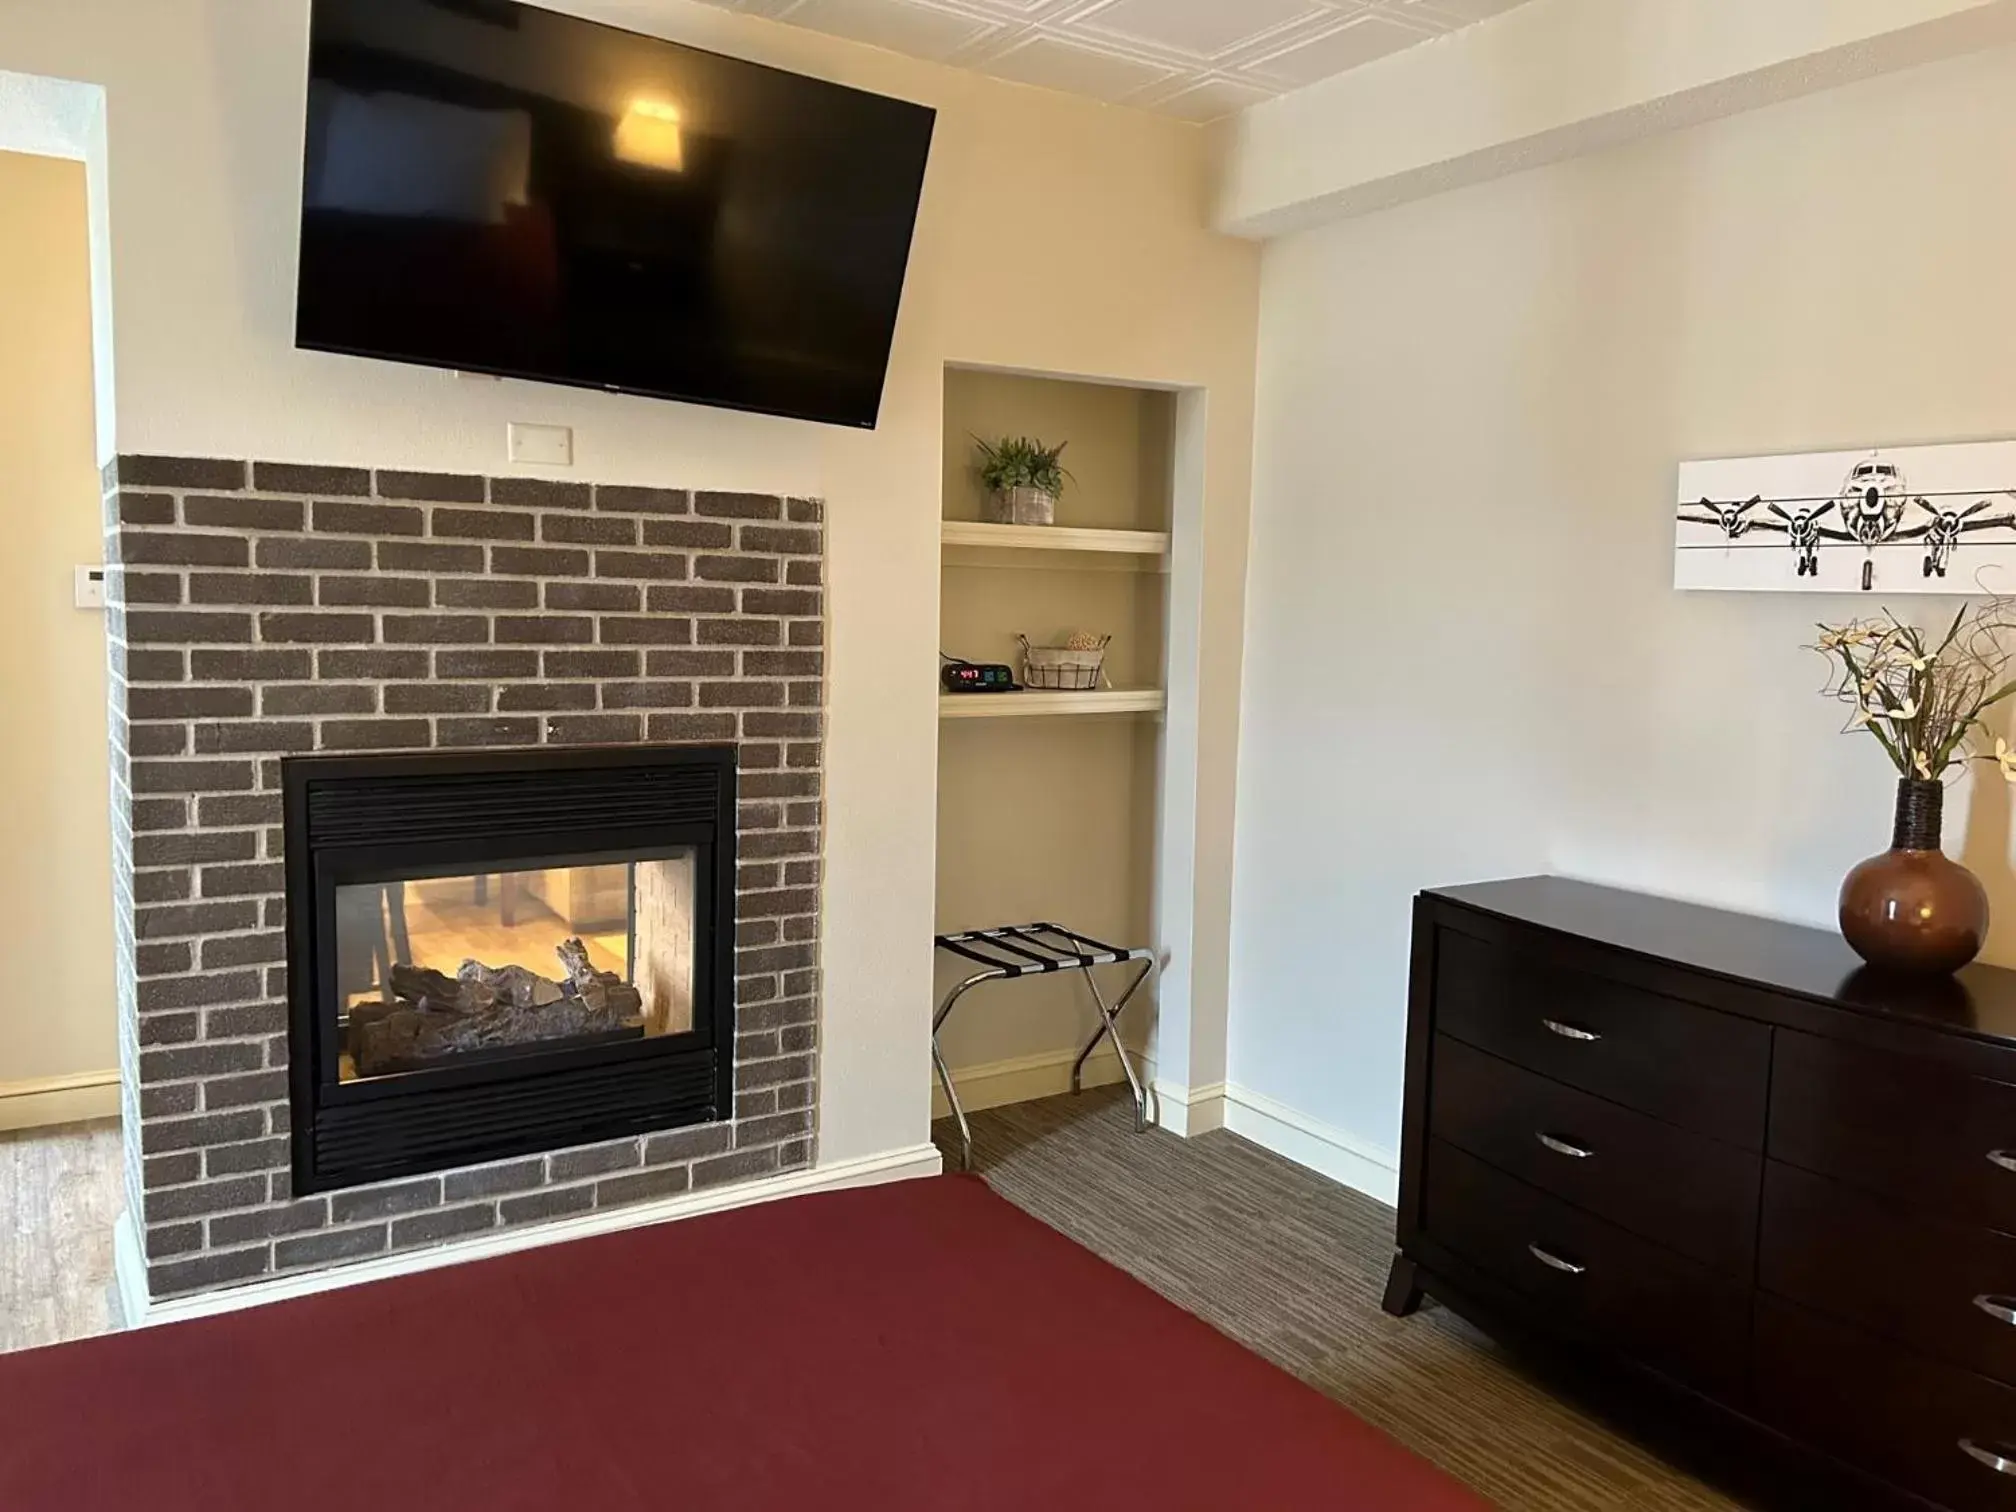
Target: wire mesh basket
x=1063, y=669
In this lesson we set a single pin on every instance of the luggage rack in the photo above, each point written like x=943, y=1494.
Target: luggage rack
x=1024, y=950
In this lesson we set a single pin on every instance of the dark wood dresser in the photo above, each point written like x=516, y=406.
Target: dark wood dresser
x=1711, y=1157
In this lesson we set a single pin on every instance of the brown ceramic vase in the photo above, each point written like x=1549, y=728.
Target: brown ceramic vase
x=1911, y=909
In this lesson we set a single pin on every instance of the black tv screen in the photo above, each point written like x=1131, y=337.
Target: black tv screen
x=495, y=188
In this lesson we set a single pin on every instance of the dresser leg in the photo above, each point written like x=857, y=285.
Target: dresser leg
x=1403, y=1288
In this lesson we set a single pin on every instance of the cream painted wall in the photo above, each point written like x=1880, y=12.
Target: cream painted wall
x=1463, y=656
x=56, y=1019
x=204, y=109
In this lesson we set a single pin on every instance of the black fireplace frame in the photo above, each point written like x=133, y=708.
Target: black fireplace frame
x=399, y=817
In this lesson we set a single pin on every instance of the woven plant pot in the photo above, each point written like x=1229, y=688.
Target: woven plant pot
x=1021, y=506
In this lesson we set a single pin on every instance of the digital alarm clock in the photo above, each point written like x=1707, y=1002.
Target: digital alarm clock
x=977, y=677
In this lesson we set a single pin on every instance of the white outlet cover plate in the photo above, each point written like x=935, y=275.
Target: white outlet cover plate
x=90, y=587
x=540, y=445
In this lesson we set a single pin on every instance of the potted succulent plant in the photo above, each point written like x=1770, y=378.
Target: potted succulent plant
x=1023, y=478
x=1910, y=908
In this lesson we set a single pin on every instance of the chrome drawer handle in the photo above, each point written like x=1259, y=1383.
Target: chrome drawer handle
x=1572, y=1151
x=1575, y=1032
x=1993, y=1457
x=2002, y=1309
x=1554, y=1261
x=2003, y=1158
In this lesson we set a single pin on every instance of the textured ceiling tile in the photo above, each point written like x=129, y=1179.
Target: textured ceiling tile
x=922, y=31
x=1354, y=43
x=1199, y=29
x=1057, y=64
x=1453, y=13
x=1211, y=100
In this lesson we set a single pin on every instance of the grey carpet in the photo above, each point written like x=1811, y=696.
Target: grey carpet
x=1292, y=1266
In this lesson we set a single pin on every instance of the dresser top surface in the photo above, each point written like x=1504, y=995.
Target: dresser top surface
x=1811, y=963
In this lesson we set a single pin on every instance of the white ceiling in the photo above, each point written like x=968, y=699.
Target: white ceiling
x=1198, y=59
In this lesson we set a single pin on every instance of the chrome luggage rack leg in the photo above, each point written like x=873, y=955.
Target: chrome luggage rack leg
x=1022, y=950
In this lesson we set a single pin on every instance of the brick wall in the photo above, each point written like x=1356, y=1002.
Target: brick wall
x=256, y=609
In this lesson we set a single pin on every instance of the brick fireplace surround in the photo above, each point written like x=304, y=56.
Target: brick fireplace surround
x=257, y=609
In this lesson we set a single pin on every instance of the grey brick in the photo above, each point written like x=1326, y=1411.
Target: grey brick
x=642, y=500
x=589, y=530
x=384, y=1201
x=448, y=1223
x=808, y=633
x=554, y=1202
x=217, y=1269
x=244, y=880
x=291, y=664
x=689, y=535
x=196, y=992
x=188, y=627
x=774, y=1129
x=689, y=663
x=255, y=1087
x=628, y=630
x=163, y=1135
x=150, y=739
x=179, y=701
x=486, y=593
x=161, y=887
x=346, y=517
x=204, y=1198
x=492, y=1180
x=160, y=814
x=756, y=1104
x=246, y=737
x=544, y=630
x=329, y=1246
x=641, y=1186
x=781, y=785
x=545, y=697
x=238, y=512
x=269, y=1018
x=291, y=552
x=252, y=1155
x=298, y=1217
x=437, y=629
x=181, y=472
x=145, y=508
x=174, y=1239
x=794, y=726
x=428, y=556
x=594, y=729
x=677, y=1145
x=445, y=488
x=539, y=561
x=741, y=695
x=742, y=1165
x=540, y=493
x=375, y=734
x=171, y=1170
x=736, y=569
x=605, y=663
x=795, y=1154
x=295, y=477
x=691, y=727
x=647, y=695
x=781, y=601
x=437, y=698
x=487, y=732
x=340, y=662
x=162, y=960
x=805, y=510
x=374, y=592
x=125, y=586
x=319, y=698
x=783, y=663
x=243, y=950
x=183, y=1062
x=595, y=1160
x=619, y=597
x=483, y=524
x=178, y=920
x=142, y=666
x=281, y=627
x=779, y=541
x=739, y=506
x=486, y=664
x=689, y=598
x=172, y=1099
x=738, y=632
x=803, y=573
x=191, y=776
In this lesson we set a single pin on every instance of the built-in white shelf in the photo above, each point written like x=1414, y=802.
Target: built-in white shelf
x=975, y=533
x=1031, y=702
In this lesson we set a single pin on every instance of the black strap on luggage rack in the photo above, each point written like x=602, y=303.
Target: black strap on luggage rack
x=1023, y=950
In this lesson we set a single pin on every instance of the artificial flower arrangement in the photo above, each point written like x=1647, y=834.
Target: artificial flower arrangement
x=1923, y=701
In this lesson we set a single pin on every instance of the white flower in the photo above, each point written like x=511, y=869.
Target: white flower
x=2005, y=758
x=1924, y=767
x=1905, y=712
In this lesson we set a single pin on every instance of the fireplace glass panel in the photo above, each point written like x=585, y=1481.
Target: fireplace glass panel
x=438, y=971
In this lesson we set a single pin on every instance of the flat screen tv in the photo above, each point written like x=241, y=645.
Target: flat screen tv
x=495, y=188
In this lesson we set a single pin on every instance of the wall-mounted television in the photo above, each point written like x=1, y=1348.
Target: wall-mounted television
x=495, y=188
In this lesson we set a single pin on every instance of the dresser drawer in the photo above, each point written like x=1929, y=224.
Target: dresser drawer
x=1689, y=1065
x=1891, y=1412
x=1588, y=1275
x=1935, y=1139
x=1945, y=1289
x=1684, y=1190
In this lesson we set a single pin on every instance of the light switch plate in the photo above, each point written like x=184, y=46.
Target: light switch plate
x=540, y=445
x=90, y=588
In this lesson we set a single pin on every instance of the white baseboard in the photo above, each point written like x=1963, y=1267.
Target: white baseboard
x=996, y=1084
x=1189, y=1111
x=58, y=1100
x=1323, y=1148
x=141, y=1310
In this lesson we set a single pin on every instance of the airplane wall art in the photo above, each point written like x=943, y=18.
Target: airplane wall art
x=1907, y=519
